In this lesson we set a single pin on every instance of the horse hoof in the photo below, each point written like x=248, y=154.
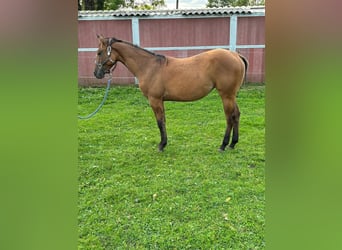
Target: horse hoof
x=161, y=146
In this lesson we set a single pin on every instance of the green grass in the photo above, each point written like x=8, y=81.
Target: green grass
x=190, y=196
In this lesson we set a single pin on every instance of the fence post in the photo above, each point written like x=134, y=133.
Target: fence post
x=135, y=37
x=233, y=32
x=135, y=31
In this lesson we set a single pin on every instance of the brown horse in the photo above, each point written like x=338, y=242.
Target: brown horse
x=162, y=78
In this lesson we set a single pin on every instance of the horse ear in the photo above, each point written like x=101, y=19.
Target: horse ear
x=100, y=37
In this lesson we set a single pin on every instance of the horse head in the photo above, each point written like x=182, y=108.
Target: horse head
x=106, y=57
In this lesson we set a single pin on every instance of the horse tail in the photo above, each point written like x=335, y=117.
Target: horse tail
x=245, y=61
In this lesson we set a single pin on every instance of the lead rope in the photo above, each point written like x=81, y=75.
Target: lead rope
x=104, y=98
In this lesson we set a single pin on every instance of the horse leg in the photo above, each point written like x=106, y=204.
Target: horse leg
x=159, y=112
x=235, y=117
x=228, y=106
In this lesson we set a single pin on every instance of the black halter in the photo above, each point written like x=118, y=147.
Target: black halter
x=109, y=52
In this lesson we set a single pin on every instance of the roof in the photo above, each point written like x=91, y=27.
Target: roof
x=86, y=14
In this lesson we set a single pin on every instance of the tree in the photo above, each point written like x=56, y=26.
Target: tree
x=89, y=4
x=134, y=4
x=93, y=4
x=100, y=4
x=117, y=4
x=113, y=4
x=145, y=4
x=227, y=3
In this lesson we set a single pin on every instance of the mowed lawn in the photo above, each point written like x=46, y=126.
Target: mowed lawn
x=190, y=196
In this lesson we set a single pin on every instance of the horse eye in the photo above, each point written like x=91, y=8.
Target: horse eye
x=99, y=53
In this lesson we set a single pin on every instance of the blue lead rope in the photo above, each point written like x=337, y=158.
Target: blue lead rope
x=101, y=104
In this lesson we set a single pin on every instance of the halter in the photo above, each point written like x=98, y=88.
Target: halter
x=100, y=65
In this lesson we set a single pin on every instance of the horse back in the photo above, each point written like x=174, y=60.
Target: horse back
x=191, y=78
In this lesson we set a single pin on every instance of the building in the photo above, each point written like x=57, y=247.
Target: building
x=177, y=33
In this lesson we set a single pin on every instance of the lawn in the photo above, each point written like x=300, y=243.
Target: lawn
x=190, y=196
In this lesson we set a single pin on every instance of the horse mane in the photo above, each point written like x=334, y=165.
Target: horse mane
x=160, y=58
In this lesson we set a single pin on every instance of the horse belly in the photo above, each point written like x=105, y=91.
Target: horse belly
x=187, y=90
x=187, y=79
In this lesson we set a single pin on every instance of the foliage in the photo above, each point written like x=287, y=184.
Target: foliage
x=148, y=4
x=144, y=4
x=116, y=4
x=227, y=3
x=89, y=4
x=190, y=196
x=155, y=4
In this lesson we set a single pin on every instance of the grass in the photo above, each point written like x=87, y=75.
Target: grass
x=190, y=196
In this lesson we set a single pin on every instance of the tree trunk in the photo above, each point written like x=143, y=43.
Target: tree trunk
x=100, y=4
x=89, y=4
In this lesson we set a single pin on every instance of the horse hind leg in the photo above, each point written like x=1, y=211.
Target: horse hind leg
x=232, y=115
x=235, y=119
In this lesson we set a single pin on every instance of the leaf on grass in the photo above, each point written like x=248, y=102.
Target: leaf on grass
x=154, y=197
x=228, y=199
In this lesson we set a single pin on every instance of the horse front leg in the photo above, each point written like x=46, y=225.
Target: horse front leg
x=159, y=112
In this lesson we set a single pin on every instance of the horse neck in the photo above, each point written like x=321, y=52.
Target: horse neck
x=135, y=59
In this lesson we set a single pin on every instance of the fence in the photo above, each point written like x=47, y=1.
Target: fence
x=178, y=33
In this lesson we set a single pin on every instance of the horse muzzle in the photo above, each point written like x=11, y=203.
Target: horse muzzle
x=99, y=74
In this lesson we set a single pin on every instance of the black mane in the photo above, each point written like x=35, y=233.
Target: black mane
x=160, y=58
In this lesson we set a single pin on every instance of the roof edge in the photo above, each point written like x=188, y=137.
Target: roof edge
x=244, y=10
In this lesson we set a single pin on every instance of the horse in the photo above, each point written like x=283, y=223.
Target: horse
x=163, y=78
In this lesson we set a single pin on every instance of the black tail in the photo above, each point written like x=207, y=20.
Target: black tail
x=245, y=61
